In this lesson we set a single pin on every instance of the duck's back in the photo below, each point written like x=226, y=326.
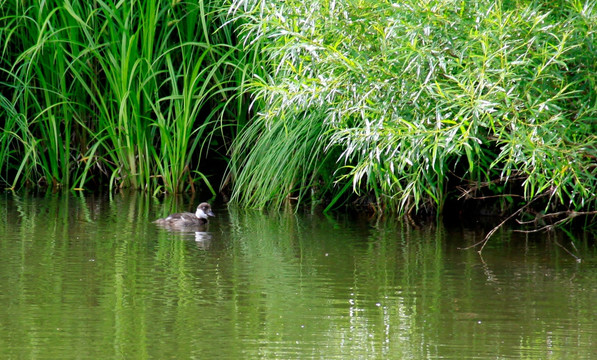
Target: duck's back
x=185, y=218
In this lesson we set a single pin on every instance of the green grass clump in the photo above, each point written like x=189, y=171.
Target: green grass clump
x=414, y=98
x=105, y=92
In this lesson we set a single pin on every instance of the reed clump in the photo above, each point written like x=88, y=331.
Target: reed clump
x=117, y=93
x=416, y=103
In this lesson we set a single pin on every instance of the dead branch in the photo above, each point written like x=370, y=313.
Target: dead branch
x=490, y=233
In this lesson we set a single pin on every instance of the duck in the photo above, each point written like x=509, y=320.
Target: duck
x=187, y=219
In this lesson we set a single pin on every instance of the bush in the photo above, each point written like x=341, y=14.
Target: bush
x=415, y=98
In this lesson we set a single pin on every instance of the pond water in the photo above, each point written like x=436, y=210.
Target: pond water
x=91, y=277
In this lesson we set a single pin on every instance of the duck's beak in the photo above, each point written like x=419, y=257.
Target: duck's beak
x=210, y=213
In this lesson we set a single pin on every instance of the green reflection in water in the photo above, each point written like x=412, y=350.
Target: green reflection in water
x=92, y=277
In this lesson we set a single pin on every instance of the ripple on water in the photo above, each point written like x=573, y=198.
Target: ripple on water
x=94, y=278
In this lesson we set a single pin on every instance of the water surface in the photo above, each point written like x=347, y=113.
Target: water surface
x=90, y=277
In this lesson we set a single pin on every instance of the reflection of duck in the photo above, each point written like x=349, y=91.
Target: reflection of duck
x=203, y=240
x=187, y=219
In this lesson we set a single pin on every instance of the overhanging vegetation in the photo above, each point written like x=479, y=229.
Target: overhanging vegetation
x=405, y=107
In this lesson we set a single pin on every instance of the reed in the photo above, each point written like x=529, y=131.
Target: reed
x=111, y=92
x=420, y=99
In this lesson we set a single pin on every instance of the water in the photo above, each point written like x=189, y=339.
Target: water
x=92, y=278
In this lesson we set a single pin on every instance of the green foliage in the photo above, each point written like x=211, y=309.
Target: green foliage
x=282, y=161
x=126, y=92
x=410, y=94
x=399, y=103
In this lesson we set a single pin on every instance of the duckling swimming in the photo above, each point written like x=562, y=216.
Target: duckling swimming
x=187, y=219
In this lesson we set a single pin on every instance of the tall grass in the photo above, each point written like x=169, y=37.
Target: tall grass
x=415, y=98
x=124, y=93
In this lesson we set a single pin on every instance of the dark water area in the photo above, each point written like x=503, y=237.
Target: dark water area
x=91, y=277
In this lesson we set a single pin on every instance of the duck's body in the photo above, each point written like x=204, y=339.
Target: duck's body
x=187, y=219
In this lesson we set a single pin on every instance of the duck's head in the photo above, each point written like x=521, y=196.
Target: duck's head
x=203, y=211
